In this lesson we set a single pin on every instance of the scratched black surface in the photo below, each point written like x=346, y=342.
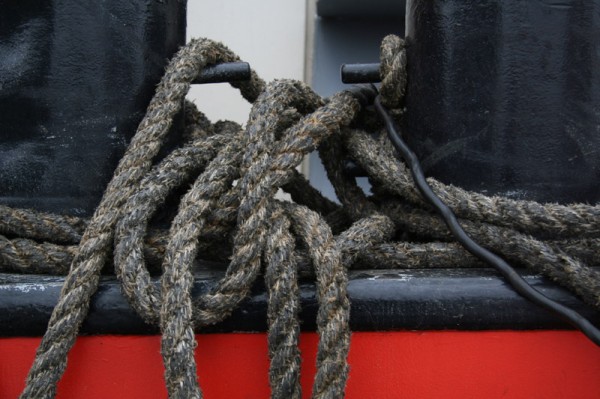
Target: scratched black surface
x=74, y=84
x=504, y=96
x=382, y=300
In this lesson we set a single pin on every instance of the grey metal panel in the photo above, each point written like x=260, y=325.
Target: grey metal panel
x=339, y=41
x=361, y=8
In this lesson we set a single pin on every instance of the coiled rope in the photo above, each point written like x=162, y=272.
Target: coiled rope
x=230, y=212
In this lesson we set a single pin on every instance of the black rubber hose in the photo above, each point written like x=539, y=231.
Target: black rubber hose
x=514, y=279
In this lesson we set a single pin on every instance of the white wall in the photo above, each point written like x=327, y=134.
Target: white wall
x=269, y=34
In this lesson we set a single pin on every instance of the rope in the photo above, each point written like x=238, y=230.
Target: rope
x=229, y=213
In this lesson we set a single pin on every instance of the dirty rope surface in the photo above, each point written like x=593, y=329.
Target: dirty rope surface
x=230, y=213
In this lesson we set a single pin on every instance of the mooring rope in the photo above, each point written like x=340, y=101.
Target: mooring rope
x=230, y=212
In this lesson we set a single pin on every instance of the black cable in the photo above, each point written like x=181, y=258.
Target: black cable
x=514, y=279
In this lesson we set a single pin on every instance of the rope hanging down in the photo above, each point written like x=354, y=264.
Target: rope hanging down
x=230, y=213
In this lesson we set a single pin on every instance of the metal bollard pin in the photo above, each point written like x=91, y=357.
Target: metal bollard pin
x=226, y=72
x=360, y=73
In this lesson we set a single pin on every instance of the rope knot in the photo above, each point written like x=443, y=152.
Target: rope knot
x=392, y=71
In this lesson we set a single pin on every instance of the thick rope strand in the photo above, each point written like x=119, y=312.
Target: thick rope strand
x=82, y=281
x=283, y=306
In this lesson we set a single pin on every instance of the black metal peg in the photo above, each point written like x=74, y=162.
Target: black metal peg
x=360, y=73
x=226, y=72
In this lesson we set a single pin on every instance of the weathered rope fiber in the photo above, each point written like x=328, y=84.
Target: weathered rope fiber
x=229, y=213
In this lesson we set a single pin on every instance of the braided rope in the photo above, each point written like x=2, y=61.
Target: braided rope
x=229, y=213
x=333, y=315
x=546, y=220
x=283, y=306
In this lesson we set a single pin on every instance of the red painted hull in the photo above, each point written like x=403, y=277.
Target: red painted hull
x=505, y=364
